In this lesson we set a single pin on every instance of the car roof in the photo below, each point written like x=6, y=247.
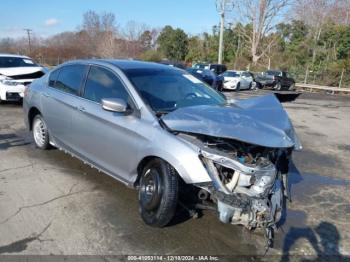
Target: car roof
x=13, y=55
x=125, y=64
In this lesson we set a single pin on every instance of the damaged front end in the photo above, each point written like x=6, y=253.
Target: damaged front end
x=249, y=182
x=245, y=148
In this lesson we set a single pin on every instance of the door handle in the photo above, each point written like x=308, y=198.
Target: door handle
x=46, y=95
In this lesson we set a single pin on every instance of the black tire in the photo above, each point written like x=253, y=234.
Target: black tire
x=158, y=193
x=238, y=88
x=220, y=87
x=44, y=143
x=292, y=87
x=278, y=86
x=259, y=86
x=250, y=86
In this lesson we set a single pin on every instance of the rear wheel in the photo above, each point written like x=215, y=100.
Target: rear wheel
x=158, y=193
x=40, y=133
x=292, y=87
x=252, y=85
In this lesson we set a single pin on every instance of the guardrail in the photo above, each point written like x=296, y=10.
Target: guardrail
x=331, y=89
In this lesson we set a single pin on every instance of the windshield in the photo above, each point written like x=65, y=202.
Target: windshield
x=231, y=74
x=201, y=66
x=6, y=62
x=166, y=90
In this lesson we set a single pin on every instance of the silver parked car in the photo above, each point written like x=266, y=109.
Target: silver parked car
x=153, y=126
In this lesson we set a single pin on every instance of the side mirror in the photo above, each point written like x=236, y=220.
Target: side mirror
x=114, y=105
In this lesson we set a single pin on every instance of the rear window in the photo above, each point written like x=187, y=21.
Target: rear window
x=274, y=73
x=53, y=78
x=70, y=78
x=6, y=62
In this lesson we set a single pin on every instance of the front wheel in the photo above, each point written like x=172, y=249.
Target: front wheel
x=158, y=193
x=40, y=133
x=292, y=87
x=278, y=86
x=238, y=88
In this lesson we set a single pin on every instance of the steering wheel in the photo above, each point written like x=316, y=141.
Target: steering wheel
x=190, y=95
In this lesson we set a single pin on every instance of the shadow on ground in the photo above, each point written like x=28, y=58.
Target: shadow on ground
x=11, y=140
x=324, y=239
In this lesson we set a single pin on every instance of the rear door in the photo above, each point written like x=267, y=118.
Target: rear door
x=109, y=140
x=60, y=100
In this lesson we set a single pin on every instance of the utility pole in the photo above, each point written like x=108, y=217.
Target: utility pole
x=29, y=31
x=222, y=6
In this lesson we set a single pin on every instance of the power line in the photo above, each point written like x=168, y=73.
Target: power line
x=29, y=31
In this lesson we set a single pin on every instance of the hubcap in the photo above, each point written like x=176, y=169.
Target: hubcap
x=39, y=132
x=151, y=189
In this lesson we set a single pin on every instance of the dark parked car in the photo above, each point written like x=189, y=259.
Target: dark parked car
x=216, y=68
x=173, y=64
x=209, y=77
x=279, y=80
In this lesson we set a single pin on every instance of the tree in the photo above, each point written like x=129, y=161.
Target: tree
x=146, y=40
x=262, y=16
x=173, y=43
x=101, y=32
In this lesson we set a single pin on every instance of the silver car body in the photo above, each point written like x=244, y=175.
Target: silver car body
x=115, y=144
x=118, y=144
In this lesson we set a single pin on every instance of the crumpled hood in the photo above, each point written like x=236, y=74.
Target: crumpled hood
x=14, y=71
x=260, y=121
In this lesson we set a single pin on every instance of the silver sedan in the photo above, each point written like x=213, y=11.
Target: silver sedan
x=157, y=129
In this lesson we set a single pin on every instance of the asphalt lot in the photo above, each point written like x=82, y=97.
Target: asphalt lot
x=51, y=203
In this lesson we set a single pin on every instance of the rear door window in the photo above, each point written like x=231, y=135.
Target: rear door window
x=246, y=74
x=53, y=77
x=102, y=83
x=70, y=78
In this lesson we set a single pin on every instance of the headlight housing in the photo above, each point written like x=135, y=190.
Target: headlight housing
x=9, y=81
x=254, y=181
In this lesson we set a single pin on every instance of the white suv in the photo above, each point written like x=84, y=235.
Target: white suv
x=16, y=72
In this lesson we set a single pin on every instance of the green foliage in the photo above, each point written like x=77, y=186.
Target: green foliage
x=343, y=48
x=173, y=43
x=146, y=40
x=151, y=55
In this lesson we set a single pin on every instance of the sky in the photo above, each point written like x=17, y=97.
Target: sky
x=48, y=17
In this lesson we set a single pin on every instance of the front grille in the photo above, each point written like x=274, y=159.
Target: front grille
x=13, y=96
x=28, y=76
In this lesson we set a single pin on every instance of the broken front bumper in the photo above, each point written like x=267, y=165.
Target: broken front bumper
x=253, y=197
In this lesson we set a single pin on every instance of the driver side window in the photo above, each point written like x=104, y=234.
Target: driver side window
x=102, y=83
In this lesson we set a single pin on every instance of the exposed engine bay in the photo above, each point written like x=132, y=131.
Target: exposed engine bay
x=249, y=181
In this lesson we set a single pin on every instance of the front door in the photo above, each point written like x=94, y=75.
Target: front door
x=109, y=140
